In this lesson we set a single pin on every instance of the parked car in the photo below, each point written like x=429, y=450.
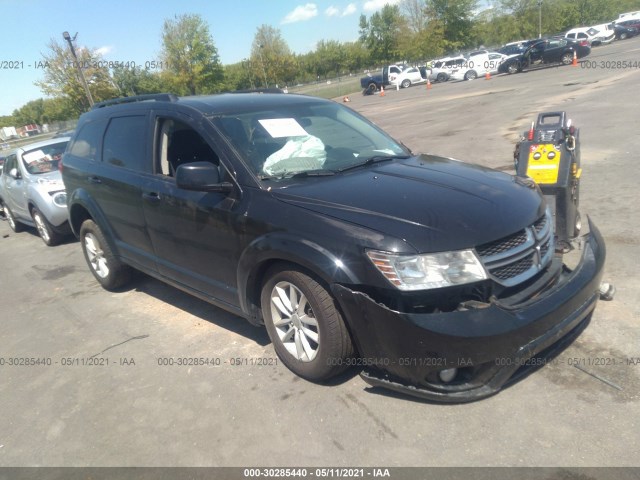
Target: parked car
x=596, y=35
x=32, y=192
x=298, y=213
x=628, y=16
x=479, y=65
x=546, y=52
x=443, y=68
x=622, y=32
x=629, y=23
x=409, y=76
x=515, y=48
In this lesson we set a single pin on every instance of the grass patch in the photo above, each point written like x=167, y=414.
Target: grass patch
x=337, y=88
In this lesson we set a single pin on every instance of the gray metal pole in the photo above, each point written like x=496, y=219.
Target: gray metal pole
x=68, y=38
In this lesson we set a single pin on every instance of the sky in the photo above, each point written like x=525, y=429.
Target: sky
x=130, y=30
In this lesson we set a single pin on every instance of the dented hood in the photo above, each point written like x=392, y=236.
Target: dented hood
x=430, y=202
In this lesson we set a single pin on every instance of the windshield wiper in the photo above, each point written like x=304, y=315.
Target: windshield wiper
x=375, y=159
x=307, y=173
x=311, y=173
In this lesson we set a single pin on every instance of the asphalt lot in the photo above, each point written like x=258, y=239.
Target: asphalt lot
x=130, y=410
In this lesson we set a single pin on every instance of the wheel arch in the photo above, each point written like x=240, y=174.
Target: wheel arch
x=82, y=207
x=280, y=248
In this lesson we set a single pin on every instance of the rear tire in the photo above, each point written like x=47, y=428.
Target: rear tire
x=372, y=88
x=470, y=75
x=442, y=77
x=110, y=272
x=45, y=229
x=305, y=327
x=405, y=83
x=567, y=59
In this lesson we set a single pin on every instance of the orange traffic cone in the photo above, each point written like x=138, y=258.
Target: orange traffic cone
x=345, y=99
x=575, y=59
x=381, y=91
x=428, y=84
x=487, y=76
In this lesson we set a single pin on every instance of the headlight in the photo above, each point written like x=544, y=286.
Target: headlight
x=59, y=198
x=434, y=270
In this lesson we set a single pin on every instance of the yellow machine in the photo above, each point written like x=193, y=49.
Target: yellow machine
x=549, y=153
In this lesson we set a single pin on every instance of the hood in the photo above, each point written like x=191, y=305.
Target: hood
x=49, y=182
x=432, y=203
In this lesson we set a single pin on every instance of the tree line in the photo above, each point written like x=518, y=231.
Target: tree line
x=412, y=31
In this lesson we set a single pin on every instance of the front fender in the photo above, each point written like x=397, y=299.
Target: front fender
x=285, y=247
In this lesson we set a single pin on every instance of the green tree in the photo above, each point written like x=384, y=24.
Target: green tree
x=62, y=77
x=329, y=58
x=380, y=33
x=271, y=59
x=7, y=121
x=455, y=19
x=137, y=81
x=43, y=110
x=190, y=56
x=239, y=76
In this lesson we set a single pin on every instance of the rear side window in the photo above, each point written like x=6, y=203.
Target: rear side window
x=87, y=142
x=124, y=142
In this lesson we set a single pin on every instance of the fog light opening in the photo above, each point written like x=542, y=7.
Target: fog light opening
x=448, y=375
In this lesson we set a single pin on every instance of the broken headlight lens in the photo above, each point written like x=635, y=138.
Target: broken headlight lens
x=433, y=270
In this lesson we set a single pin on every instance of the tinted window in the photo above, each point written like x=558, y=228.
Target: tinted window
x=124, y=142
x=87, y=142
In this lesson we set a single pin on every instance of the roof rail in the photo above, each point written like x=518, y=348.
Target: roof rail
x=158, y=97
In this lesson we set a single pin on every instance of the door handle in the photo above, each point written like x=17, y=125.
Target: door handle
x=151, y=196
x=94, y=180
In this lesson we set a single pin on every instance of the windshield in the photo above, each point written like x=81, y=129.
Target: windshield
x=43, y=159
x=303, y=139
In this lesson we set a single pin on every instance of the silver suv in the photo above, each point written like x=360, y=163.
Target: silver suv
x=32, y=192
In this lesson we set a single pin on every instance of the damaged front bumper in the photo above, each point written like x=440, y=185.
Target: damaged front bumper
x=488, y=347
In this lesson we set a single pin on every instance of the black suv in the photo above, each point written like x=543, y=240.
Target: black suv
x=438, y=277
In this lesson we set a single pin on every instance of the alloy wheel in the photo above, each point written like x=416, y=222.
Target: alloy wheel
x=295, y=322
x=95, y=255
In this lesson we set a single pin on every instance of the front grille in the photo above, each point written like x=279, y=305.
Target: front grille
x=518, y=257
x=513, y=269
x=540, y=224
x=503, y=245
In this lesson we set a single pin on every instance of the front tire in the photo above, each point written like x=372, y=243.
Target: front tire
x=305, y=327
x=16, y=226
x=110, y=272
x=45, y=229
x=513, y=68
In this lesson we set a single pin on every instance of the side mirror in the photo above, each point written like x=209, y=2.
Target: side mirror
x=14, y=173
x=201, y=177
